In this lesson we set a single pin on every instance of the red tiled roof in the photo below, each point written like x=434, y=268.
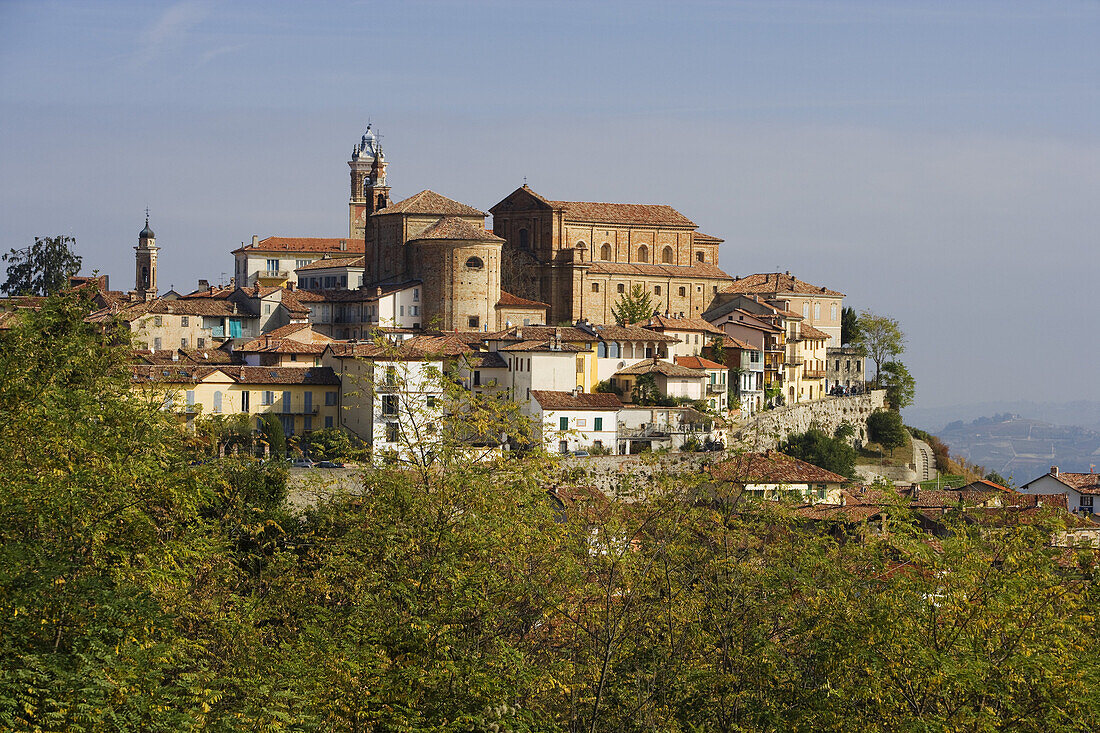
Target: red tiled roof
x=177, y=374
x=507, y=300
x=668, y=323
x=454, y=228
x=777, y=282
x=430, y=202
x=612, y=332
x=553, y=400
x=418, y=348
x=539, y=333
x=1083, y=483
x=326, y=263
x=541, y=345
x=638, y=214
x=707, y=238
x=702, y=270
x=698, y=362
x=304, y=244
x=656, y=366
x=809, y=332
x=731, y=343
x=773, y=467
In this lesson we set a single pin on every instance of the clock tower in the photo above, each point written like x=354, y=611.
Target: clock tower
x=369, y=191
x=145, y=255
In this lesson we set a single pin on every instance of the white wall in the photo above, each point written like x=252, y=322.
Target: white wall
x=582, y=433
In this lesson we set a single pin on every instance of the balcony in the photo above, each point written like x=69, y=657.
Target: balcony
x=813, y=374
x=715, y=388
x=794, y=361
x=274, y=274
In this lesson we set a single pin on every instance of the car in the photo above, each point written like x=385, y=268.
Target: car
x=330, y=464
x=302, y=463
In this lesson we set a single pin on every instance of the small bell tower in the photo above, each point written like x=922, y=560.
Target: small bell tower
x=145, y=256
x=369, y=191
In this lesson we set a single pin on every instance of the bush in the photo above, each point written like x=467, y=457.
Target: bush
x=691, y=445
x=816, y=447
x=885, y=428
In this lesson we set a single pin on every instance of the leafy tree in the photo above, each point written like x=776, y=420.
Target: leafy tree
x=645, y=390
x=633, y=306
x=849, y=326
x=329, y=444
x=844, y=431
x=718, y=349
x=885, y=428
x=999, y=479
x=816, y=447
x=42, y=268
x=881, y=338
x=899, y=383
x=274, y=434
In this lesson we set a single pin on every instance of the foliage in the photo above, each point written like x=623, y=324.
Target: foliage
x=885, y=428
x=645, y=390
x=691, y=444
x=899, y=383
x=849, y=326
x=718, y=349
x=816, y=447
x=881, y=338
x=217, y=435
x=633, y=306
x=844, y=431
x=607, y=387
x=997, y=478
x=939, y=449
x=273, y=434
x=329, y=444
x=42, y=268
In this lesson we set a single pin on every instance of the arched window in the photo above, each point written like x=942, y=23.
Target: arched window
x=366, y=187
x=595, y=287
x=683, y=292
x=605, y=252
x=381, y=201
x=643, y=254
x=700, y=257
x=614, y=353
x=474, y=263
x=524, y=240
x=666, y=256
x=601, y=350
x=144, y=278
x=217, y=401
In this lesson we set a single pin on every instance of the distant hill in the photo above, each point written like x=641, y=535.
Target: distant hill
x=1079, y=413
x=1021, y=447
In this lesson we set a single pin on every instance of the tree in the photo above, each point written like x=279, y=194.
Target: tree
x=43, y=268
x=718, y=349
x=329, y=444
x=633, y=306
x=849, y=326
x=885, y=428
x=645, y=390
x=274, y=434
x=881, y=338
x=816, y=447
x=900, y=385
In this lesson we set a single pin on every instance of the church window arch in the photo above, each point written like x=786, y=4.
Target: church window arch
x=666, y=256
x=601, y=350
x=643, y=254
x=366, y=186
x=683, y=292
x=620, y=288
x=474, y=263
x=381, y=201
x=524, y=239
x=605, y=252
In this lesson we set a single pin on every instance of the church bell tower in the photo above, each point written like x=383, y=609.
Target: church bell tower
x=369, y=192
x=145, y=280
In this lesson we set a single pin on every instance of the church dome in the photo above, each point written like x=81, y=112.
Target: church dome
x=147, y=233
x=368, y=146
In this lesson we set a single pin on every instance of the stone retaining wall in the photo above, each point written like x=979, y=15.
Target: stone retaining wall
x=769, y=429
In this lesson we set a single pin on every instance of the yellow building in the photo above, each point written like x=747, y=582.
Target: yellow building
x=303, y=399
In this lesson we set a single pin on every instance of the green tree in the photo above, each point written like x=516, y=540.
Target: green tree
x=718, y=349
x=329, y=444
x=899, y=383
x=816, y=447
x=274, y=434
x=43, y=268
x=881, y=338
x=849, y=326
x=645, y=390
x=632, y=306
x=885, y=428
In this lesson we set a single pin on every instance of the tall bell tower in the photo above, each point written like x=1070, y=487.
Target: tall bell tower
x=369, y=191
x=145, y=256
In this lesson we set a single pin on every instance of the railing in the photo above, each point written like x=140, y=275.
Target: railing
x=716, y=388
x=273, y=273
x=794, y=361
x=218, y=332
x=813, y=374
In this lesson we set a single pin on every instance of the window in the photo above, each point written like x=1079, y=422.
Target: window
x=330, y=398
x=683, y=292
x=158, y=320
x=300, y=263
x=666, y=255
x=473, y=322
x=267, y=309
x=217, y=401
x=190, y=398
x=1086, y=505
x=429, y=401
x=157, y=345
x=643, y=254
x=595, y=287
x=272, y=265
x=563, y=423
x=401, y=310
x=817, y=311
x=832, y=313
x=200, y=342
x=185, y=321
x=307, y=401
x=700, y=257
x=563, y=446
x=620, y=288
x=391, y=432
x=805, y=310
x=391, y=375
x=474, y=263
x=268, y=398
x=416, y=295
x=859, y=365
x=597, y=423
x=389, y=405
x=714, y=289
x=582, y=422
x=307, y=422
x=286, y=401
x=605, y=252
x=524, y=239
x=477, y=379
x=656, y=289
x=601, y=350
x=414, y=310
x=183, y=343
x=328, y=421
x=244, y=401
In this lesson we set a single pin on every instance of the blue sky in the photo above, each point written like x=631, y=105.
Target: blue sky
x=938, y=162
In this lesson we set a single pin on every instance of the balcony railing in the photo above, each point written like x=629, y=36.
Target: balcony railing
x=716, y=388
x=813, y=374
x=273, y=273
x=794, y=361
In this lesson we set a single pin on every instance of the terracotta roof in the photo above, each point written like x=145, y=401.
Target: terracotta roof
x=280, y=346
x=612, y=332
x=193, y=356
x=639, y=214
x=751, y=320
x=214, y=307
x=698, y=362
x=838, y=512
x=291, y=302
x=540, y=333
x=430, y=202
x=507, y=300
x=669, y=323
x=542, y=345
x=777, y=282
x=1083, y=483
x=355, y=295
x=177, y=374
x=485, y=360
x=731, y=343
x=553, y=400
x=984, y=484
x=290, y=329
x=324, y=264
x=809, y=332
x=773, y=467
x=702, y=270
x=656, y=366
x=700, y=237
x=418, y=348
x=304, y=244
x=454, y=228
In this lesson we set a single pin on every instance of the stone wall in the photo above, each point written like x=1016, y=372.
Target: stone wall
x=769, y=429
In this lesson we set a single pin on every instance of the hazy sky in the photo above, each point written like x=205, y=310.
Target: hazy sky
x=937, y=161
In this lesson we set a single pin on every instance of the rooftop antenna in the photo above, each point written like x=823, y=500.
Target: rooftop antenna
x=525, y=180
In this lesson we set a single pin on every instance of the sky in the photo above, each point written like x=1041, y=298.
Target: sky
x=938, y=162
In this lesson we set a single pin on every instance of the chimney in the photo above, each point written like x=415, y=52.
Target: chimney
x=343, y=245
x=175, y=356
x=378, y=292
x=255, y=239
x=204, y=284
x=1054, y=471
x=290, y=287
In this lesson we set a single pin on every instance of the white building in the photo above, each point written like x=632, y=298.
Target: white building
x=716, y=388
x=1082, y=490
x=574, y=421
x=275, y=260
